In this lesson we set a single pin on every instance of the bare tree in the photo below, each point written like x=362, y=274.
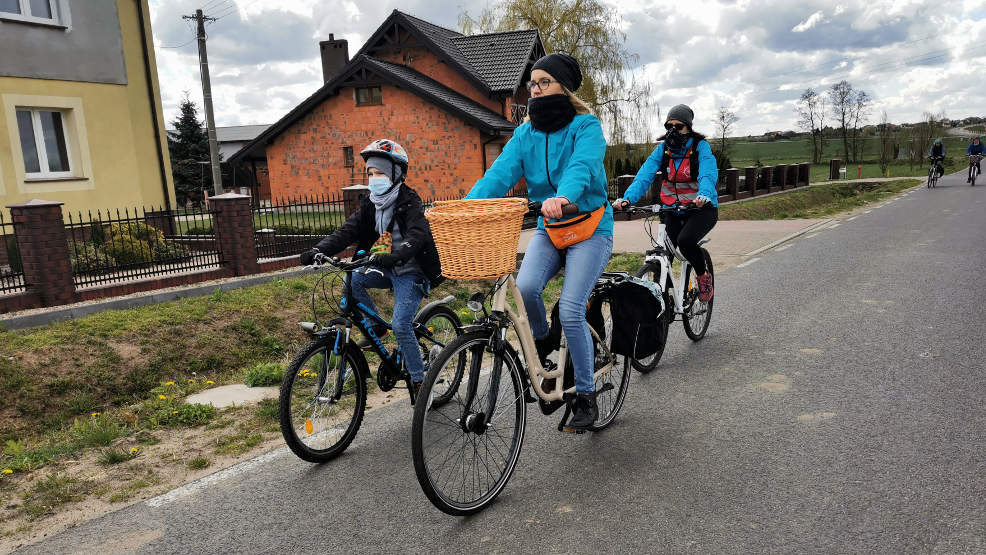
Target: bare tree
x=724, y=120
x=811, y=110
x=859, y=111
x=841, y=100
x=886, y=143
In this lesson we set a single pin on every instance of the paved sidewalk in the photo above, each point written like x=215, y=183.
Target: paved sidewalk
x=731, y=240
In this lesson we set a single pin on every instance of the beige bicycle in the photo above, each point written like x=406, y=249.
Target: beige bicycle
x=466, y=449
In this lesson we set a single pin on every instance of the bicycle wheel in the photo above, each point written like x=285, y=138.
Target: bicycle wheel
x=444, y=325
x=322, y=400
x=463, y=458
x=697, y=314
x=975, y=174
x=646, y=364
x=931, y=176
x=618, y=379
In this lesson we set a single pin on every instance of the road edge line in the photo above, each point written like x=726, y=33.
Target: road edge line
x=783, y=240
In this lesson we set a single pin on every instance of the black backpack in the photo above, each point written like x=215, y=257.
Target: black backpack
x=636, y=320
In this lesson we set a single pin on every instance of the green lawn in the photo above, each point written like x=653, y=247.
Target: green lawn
x=814, y=202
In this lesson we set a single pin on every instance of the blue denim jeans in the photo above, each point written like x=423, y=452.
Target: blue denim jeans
x=584, y=263
x=409, y=289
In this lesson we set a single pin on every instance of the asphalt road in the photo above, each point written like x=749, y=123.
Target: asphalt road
x=836, y=406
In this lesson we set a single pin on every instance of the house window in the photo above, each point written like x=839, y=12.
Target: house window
x=43, y=143
x=366, y=96
x=347, y=156
x=34, y=11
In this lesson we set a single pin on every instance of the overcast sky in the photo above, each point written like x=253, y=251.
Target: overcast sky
x=754, y=57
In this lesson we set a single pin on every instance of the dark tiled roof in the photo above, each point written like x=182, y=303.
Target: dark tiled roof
x=442, y=95
x=499, y=58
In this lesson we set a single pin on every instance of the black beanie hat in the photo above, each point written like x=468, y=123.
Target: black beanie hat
x=681, y=113
x=562, y=67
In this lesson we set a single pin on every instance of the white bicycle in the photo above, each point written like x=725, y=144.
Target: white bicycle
x=974, y=168
x=680, y=297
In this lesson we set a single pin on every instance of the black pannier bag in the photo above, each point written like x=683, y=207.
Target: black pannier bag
x=637, y=308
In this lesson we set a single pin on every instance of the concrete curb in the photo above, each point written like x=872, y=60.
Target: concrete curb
x=783, y=240
x=70, y=313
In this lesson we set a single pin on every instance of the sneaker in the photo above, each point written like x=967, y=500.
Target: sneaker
x=704, y=287
x=366, y=343
x=584, y=412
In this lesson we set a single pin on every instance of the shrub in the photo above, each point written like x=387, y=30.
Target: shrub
x=137, y=230
x=126, y=249
x=204, y=229
x=88, y=257
x=265, y=373
x=165, y=251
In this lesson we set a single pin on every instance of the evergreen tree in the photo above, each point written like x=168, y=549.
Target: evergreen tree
x=188, y=146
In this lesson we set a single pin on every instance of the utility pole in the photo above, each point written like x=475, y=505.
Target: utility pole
x=210, y=120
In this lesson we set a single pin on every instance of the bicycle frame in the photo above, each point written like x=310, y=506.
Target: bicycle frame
x=665, y=256
x=518, y=317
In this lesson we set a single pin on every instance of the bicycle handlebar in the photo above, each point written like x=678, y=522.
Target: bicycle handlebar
x=334, y=261
x=570, y=208
x=661, y=209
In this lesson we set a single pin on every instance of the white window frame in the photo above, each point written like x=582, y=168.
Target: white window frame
x=56, y=18
x=39, y=144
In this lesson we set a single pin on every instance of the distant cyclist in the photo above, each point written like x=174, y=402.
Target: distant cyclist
x=937, y=155
x=975, y=148
x=686, y=159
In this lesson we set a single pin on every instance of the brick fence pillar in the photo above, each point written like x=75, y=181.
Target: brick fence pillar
x=780, y=176
x=767, y=178
x=804, y=173
x=43, y=246
x=751, y=179
x=233, y=225
x=834, y=165
x=732, y=182
x=792, y=176
x=352, y=196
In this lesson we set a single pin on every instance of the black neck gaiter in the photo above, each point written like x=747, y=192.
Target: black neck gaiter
x=550, y=113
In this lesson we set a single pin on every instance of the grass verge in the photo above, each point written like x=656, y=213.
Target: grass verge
x=814, y=202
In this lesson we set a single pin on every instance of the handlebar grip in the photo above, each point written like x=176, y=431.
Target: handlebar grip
x=570, y=208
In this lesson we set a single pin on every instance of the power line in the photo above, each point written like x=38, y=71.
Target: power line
x=214, y=5
x=180, y=45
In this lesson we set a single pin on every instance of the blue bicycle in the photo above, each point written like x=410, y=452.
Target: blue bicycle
x=323, y=395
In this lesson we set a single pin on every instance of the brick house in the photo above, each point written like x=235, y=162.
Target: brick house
x=451, y=100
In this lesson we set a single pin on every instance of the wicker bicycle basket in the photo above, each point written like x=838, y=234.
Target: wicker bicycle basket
x=477, y=239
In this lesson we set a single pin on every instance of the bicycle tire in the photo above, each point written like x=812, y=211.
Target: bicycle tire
x=695, y=328
x=931, y=174
x=429, y=351
x=448, y=419
x=975, y=174
x=647, y=364
x=609, y=402
x=351, y=393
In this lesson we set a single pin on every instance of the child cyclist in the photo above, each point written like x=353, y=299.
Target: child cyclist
x=559, y=151
x=681, y=150
x=411, y=268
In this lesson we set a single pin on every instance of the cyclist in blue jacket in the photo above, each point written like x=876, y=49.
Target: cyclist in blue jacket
x=559, y=150
x=681, y=150
x=975, y=148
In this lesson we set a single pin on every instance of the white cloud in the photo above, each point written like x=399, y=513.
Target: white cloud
x=813, y=19
x=755, y=57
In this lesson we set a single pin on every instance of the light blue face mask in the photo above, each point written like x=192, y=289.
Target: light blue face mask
x=379, y=184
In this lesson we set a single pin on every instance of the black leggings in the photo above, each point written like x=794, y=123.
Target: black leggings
x=977, y=167
x=685, y=231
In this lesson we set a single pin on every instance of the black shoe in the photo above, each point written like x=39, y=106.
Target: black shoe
x=366, y=343
x=584, y=412
x=545, y=347
x=413, y=388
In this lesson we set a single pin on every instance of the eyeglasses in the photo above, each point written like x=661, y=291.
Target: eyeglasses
x=541, y=84
x=678, y=126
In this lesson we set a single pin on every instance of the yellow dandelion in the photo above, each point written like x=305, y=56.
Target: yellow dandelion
x=431, y=328
x=94, y=414
x=161, y=397
x=134, y=449
x=209, y=382
x=174, y=412
x=8, y=471
x=170, y=383
x=191, y=381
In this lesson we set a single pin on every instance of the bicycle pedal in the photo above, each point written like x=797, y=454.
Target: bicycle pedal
x=574, y=431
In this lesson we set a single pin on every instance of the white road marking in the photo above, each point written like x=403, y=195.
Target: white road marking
x=810, y=235
x=852, y=218
x=833, y=226
x=867, y=212
x=748, y=262
x=787, y=246
x=202, y=483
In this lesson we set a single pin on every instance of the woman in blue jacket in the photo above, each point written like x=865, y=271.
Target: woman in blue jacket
x=559, y=150
x=676, y=156
x=975, y=148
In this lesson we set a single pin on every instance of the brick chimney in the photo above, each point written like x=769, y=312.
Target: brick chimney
x=335, y=56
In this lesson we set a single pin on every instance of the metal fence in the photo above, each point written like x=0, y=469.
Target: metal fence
x=11, y=271
x=291, y=226
x=110, y=247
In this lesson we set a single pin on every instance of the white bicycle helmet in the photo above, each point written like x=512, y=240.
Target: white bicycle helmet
x=387, y=149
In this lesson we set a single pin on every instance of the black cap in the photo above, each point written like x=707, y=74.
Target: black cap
x=562, y=67
x=682, y=113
